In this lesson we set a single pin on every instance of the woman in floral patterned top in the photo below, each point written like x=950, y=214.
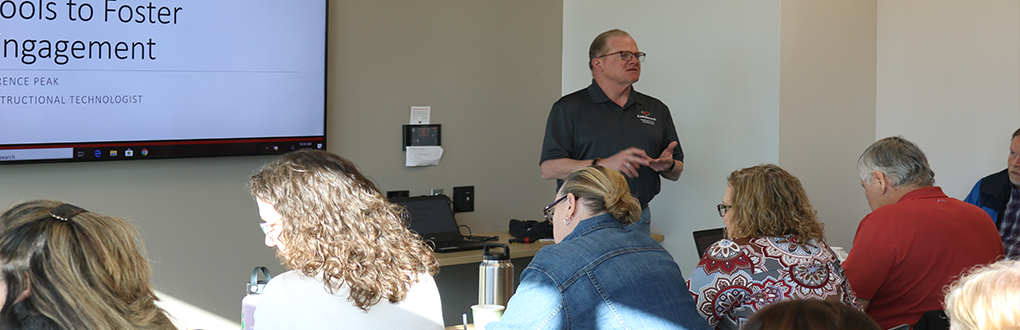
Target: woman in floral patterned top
x=776, y=251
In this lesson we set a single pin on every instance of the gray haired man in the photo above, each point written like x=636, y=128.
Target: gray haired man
x=915, y=240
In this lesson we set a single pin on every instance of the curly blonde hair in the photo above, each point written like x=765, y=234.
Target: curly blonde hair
x=603, y=189
x=986, y=298
x=337, y=225
x=86, y=271
x=768, y=201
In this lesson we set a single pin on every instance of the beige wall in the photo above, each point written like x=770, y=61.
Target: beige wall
x=716, y=65
x=944, y=73
x=949, y=80
x=489, y=70
x=827, y=105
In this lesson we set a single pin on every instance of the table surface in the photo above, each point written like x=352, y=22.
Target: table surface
x=517, y=250
x=470, y=326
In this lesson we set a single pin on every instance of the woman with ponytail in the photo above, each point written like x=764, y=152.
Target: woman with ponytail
x=65, y=268
x=598, y=275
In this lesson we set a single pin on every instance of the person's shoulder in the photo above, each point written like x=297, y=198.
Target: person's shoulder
x=651, y=102
x=574, y=100
x=994, y=183
x=1001, y=175
x=290, y=275
x=726, y=249
x=971, y=211
x=290, y=281
x=886, y=214
x=823, y=250
x=649, y=98
x=919, y=210
x=556, y=260
x=559, y=252
x=576, y=252
x=423, y=282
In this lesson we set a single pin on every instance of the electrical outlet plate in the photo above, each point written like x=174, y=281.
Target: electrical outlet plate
x=464, y=199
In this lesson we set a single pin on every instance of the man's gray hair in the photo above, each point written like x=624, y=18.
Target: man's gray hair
x=901, y=161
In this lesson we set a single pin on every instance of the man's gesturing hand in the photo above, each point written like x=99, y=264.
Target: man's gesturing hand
x=628, y=161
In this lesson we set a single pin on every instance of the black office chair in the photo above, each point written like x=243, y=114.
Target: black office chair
x=933, y=320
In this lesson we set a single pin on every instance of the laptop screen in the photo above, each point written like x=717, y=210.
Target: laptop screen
x=430, y=217
x=705, y=238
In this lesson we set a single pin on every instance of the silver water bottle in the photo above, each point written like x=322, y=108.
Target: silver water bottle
x=495, y=276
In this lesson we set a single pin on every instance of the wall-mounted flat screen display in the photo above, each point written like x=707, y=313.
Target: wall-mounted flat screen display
x=95, y=80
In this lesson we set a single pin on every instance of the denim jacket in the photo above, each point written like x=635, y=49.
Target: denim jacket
x=602, y=276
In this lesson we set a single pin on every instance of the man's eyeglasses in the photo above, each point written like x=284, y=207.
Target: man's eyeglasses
x=722, y=209
x=626, y=55
x=548, y=209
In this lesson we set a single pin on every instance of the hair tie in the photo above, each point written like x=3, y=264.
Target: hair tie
x=65, y=212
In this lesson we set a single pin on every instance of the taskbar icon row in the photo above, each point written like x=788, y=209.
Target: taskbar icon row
x=110, y=152
x=115, y=152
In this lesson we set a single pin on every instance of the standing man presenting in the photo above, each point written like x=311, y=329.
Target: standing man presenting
x=999, y=196
x=611, y=124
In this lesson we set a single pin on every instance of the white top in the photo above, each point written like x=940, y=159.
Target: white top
x=294, y=301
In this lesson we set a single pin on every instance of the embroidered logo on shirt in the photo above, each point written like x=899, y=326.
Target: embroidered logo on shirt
x=646, y=117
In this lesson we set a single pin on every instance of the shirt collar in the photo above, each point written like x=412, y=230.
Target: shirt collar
x=598, y=96
x=926, y=192
x=586, y=226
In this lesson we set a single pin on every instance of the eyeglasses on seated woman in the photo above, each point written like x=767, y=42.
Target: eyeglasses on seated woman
x=599, y=275
x=776, y=251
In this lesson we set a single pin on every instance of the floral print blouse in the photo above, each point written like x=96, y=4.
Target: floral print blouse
x=736, y=278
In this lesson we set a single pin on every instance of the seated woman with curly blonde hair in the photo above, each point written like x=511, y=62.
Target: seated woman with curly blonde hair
x=775, y=251
x=354, y=265
x=62, y=267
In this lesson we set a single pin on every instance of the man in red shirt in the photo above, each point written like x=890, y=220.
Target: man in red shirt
x=915, y=240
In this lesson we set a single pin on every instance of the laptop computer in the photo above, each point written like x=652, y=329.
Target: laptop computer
x=432, y=218
x=705, y=238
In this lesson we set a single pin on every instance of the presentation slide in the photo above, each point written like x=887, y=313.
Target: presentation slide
x=77, y=71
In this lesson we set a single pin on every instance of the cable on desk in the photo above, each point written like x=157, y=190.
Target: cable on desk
x=469, y=231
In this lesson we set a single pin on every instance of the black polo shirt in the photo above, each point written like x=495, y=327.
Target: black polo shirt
x=586, y=124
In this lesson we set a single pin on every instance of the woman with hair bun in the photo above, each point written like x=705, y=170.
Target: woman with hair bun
x=354, y=264
x=599, y=275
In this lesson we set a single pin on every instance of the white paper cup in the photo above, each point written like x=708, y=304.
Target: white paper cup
x=484, y=314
